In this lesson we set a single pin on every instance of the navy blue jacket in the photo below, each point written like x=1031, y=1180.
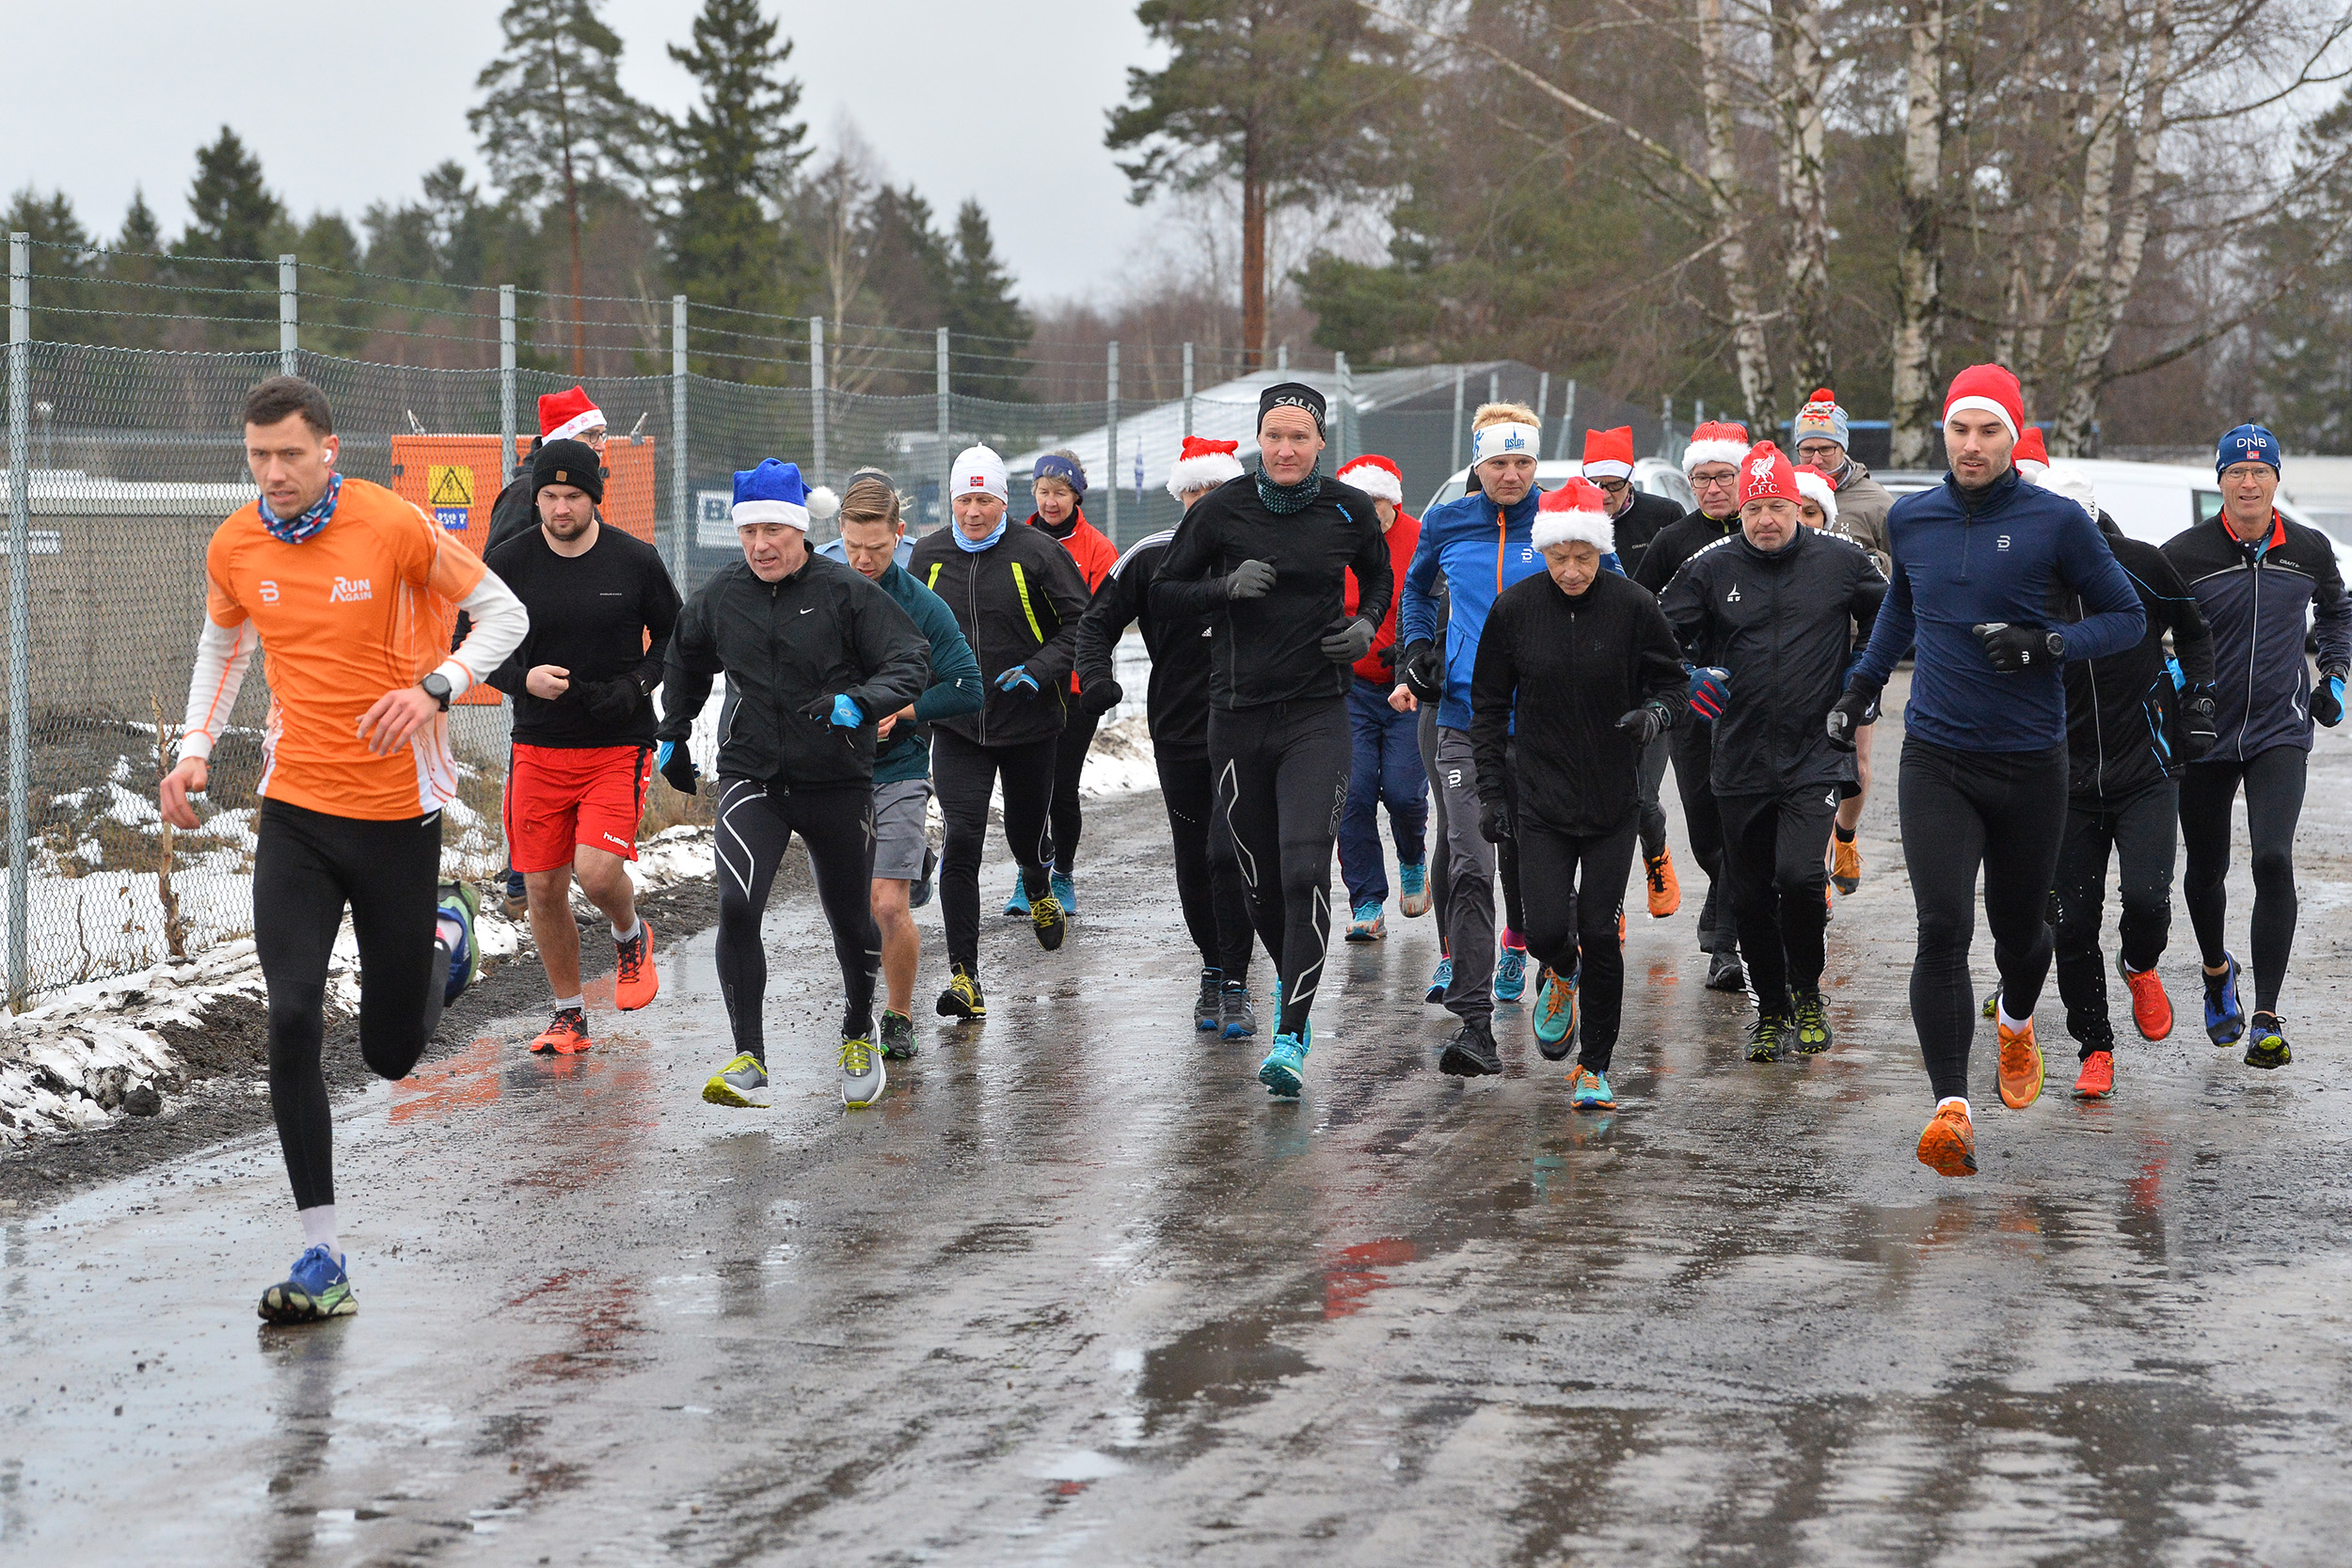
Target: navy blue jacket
x=1963, y=560
x=2255, y=597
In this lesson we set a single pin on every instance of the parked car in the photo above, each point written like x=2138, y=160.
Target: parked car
x=1652, y=476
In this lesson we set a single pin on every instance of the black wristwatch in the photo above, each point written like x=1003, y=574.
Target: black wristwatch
x=437, y=687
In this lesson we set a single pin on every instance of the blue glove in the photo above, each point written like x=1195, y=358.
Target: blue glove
x=1015, y=679
x=846, y=713
x=662, y=753
x=1710, y=690
x=2180, y=677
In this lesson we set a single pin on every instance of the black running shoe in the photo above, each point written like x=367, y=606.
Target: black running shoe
x=897, y=1036
x=1208, y=1007
x=1765, y=1037
x=962, y=998
x=1471, y=1054
x=1240, y=1018
x=2266, y=1043
x=1725, y=972
x=1047, y=920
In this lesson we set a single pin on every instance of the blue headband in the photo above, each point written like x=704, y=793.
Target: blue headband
x=1050, y=467
x=2247, y=443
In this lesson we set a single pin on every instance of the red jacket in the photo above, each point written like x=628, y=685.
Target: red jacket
x=1379, y=665
x=1094, y=554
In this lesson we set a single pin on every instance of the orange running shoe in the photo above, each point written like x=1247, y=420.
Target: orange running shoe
x=2021, y=1066
x=2151, y=1009
x=2097, y=1079
x=635, y=981
x=1948, y=1145
x=566, y=1035
x=1845, y=868
x=1621, y=928
x=1665, y=889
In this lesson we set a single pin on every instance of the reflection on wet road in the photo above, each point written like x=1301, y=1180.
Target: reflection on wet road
x=1078, y=1291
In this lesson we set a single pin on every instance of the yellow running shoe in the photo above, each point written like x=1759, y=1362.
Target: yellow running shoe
x=742, y=1083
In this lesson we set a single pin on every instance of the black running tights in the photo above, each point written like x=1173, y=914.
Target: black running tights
x=2142, y=830
x=1774, y=846
x=963, y=772
x=755, y=823
x=1577, y=885
x=1067, y=818
x=1281, y=782
x=2274, y=803
x=1217, y=907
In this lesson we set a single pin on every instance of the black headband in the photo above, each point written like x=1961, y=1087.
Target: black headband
x=1292, y=394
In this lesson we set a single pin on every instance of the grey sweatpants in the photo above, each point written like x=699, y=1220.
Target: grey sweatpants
x=1470, y=871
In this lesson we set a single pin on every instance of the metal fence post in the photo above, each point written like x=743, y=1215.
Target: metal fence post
x=1494, y=385
x=1567, y=418
x=508, y=461
x=1188, y=390
x=946, y=427
x=19, y=604
x=817, y=398
x=1281, y=360
x=288, y=330
x=1456, y=449
x=1665, y=426
x=1542, y=407
x=1111, y=460
x=680, y=495
x=1345, y=390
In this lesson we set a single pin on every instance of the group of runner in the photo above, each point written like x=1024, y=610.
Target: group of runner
x=1508, y=674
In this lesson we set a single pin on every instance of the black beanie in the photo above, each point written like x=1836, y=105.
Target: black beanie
x=572, y=463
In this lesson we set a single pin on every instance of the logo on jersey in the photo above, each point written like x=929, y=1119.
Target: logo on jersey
x=1527, y=554
x=350, y=591
x=2002, y=543
x=1760, y=468
x=269, y=592
x=1732, y=597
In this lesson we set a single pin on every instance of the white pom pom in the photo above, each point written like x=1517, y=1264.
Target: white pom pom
x=822, y=505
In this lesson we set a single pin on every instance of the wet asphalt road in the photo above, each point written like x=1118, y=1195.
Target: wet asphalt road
x=1079, y=1293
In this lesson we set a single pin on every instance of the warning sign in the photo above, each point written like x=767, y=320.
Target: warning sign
x=450, y=485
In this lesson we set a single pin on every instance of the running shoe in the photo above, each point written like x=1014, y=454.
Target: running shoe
x=461, y=907
x=2267, y=1045
x=566, y=1033
x=1811, y=1031
x=1284, y=1071
x=1665, y=888
x=1764, y=1036
x=1992, y=1000
x=1588, y=1090
x=315, y=1289
x=1725, y=972
x=635, y=980
x=1511, y=974
x=1556, y=1015
x=2021, y=1066
x=962, y=998
x=920, y=893
x=1367, y=924
x=1239, y=1016
x=1845, y=862
x=1947, y=1144
x=897, y=1036
x=517, y=897
x=1018, y=905
x=1413, y=889
x=1065, y=888
x=1208, y=1007
x=1440, y=979
x=2151, y=1009
x=1046, y=919
x=2097, y=1078
x=863, y=1075
x=1471, y=1054
x=1621, y=926
x=2225, y=1021
x=742, y=1083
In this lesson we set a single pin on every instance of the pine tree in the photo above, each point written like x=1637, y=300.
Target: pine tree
x=230, y=212
x=913, y=272
x=62, y=260
x=980, y=304
x=134, y=260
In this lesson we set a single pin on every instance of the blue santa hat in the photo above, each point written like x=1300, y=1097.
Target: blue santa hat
x=771, y=492
x=2247, y=443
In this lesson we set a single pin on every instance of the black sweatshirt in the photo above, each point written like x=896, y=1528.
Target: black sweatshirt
x=1638, y=524
x=1177, y=705
x=590, y=613
x=1563, y=671
x=1676, y=543
x=1269, y=650
x=2122, y=716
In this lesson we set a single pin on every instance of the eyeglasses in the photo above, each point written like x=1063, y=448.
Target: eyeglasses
x=1614, y=486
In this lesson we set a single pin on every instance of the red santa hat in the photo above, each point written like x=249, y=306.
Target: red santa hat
x=1716, y=441
x=1609, y=453
x=1766, y=474
x=1202, y=464
x=1574, y=513
x=1814, y=485
x=1376, y=477
x=2031, y=457
x=1991, y=390
x=564, y=415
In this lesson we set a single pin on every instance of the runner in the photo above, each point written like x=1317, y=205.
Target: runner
x=1385, y=740
x=2129, y=731
x=1017, y=596
x=1176, y=709
x=1269, y=558
x=872, y=535
x=1059, y=482
x=1983, y=782
x=1637, y=517
x=602, y=608
x=1577, y=673
x=2257, y=578
x=349, y=589
x=1768, y=617
x=1711, y=463
x=813, y=654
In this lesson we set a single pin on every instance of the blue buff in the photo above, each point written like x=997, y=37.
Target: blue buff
x=970, y=546
x=1015, y=679
x=846, y=712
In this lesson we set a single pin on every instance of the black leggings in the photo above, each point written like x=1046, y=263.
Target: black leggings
x=306, y=866
x=1067, y=820
x=2274, y=803
x=1774, y=846
x=1281, y=782
x=1217, y=907
x=2141, y=830
x=962, y=773
x=1693, y=748
x=1578, y=884
x=755, y=823
x=2005, y=812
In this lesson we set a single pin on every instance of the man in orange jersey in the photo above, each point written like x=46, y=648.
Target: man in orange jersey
x=352, y=589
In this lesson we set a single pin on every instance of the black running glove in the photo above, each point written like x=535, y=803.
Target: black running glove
x=2014, y=649
x=1645, y=724
x=1251, y=579
x=1097, y=698
x=610, y=701
x=2328, y=698
x=2199, y=732
x=1422, y=671
x=678, y=766
x=1494, y=817
x=1847, y=716
x=1350, y=642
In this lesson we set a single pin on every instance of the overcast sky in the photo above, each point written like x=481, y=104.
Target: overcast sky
x=348, y=105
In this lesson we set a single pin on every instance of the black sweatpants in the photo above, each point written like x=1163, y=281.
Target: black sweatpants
x=962, y=773
x=2004, y=812
x=1216, y=909
x=1773, y=848
x=1281, y=782
x=1066, y=819
x=2274, y=803
x=1575, y=885
x=307, y=867
x=2142, y=830
x=756, y=824
x=1693, y=748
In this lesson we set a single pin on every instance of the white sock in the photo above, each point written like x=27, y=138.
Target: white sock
x=318, y=1228
x=2011, y=1024
x=1958, y=1099
x=629, y=935
x=563, y=1002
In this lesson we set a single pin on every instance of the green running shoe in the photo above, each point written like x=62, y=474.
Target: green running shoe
x=317, y=1288
x=2266, y=1043
x=1556, y=1015
x=897, y=1036
x=742, y=1083
x=1765, y=1037
x=863, y=1075
x=1284, y=1071
x=1811, y=1028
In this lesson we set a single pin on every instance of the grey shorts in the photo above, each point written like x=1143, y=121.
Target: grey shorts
x=899, y=834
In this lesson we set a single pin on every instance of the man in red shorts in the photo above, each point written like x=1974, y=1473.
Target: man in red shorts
x=601, y=609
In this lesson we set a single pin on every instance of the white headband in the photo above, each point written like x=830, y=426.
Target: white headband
x=1985, y=405
x=1504, y=440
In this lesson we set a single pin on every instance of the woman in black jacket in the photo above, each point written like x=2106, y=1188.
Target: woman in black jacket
x=1577, y=673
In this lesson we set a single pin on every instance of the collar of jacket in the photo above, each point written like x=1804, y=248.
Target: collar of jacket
x=1795, y=540
x=2255, y=548
x=1077, y=516
x=1519, y=514
x=1976, y=503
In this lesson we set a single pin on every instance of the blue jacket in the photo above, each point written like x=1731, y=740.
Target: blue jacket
x=1958, y=563
x=955, y=679
x=1482, y=549
x=2257, y=598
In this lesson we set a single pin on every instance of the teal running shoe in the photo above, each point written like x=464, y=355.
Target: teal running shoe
x=2225, y=1020
x=1065, y=891
x=1439, y=979
x=1589, y=1090
x=315, y=1290
x=1556, y=1015
x=1413, y=889
x=1284, y=1069
x=1018, y=905
x=1511, y=974
x=1368, y=925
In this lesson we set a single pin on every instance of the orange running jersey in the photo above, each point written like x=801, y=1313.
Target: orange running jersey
x=364, y=606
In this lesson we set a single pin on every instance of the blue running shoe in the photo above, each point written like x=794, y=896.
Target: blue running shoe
x=1511, y=974
x=2225, y=1021
x=1284, y=1069
x=1589, y=1090
x=1367, y=925
x=1438, y=980
x=1556, y=1015
x=316, y=1291
x=1018, y=905
x=1413, y=889
x=1066, y=892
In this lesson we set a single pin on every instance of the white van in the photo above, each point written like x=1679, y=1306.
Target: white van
x=1652, y=476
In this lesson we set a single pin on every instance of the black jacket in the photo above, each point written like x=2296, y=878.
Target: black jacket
x=1676, y=543
x=1177, y=705
x=1648, y=517
x=1554, y=675
x=1017, y=602
x=2122, y=714
x=788, y=648
x=2255, y=597
x=1269, y=650
x=1782, y=625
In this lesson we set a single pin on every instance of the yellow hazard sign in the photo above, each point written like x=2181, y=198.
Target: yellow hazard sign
x=448, y=485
